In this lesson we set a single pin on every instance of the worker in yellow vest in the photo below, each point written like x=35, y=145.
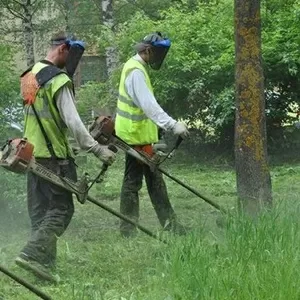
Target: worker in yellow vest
x=50, y=111
x=138, y=118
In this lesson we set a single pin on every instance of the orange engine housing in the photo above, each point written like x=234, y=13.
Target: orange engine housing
x=17, y=155
x=103, y=129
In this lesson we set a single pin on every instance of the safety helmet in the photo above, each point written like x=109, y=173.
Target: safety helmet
x=76, y=50
x=159, y=48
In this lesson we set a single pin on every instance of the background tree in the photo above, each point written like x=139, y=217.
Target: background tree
x=24, y=12
x=196, y=82
x=109, y=23
x=253, y=176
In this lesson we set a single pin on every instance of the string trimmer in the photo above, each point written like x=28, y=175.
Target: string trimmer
x=26, y=284
x=103, y=132
x=17, y=156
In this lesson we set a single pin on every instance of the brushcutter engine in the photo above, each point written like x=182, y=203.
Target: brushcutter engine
x=103, y=130
x=16, y=155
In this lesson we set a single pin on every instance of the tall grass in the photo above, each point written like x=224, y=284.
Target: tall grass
x=254, y=260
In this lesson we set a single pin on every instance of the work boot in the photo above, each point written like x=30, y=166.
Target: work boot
x=37, y=269
x=176, y=228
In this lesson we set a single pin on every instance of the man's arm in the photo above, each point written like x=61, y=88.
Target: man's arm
x=68, y=112
x=138, y=90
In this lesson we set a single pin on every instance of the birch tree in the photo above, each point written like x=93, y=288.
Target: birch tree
x=108, y=21
x=23, y=11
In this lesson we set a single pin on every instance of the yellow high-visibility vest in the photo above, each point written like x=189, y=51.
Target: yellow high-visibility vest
x=50, y=118
x=131, y=124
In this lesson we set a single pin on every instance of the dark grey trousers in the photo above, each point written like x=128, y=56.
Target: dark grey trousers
x=50, y=210
x=132, y=183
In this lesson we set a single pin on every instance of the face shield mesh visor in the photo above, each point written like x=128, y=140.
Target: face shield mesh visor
x=159, y=48
x=76, y=50
x=157, y=57
x=75, y=54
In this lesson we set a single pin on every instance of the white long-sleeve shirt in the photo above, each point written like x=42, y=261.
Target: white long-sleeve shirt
x=137, y=89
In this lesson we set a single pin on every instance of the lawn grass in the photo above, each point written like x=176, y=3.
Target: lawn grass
x=242, y=260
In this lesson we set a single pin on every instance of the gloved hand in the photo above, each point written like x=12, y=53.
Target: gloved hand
x=104, y=154
x=160, y=148
x=181, y=129
x=76, y=150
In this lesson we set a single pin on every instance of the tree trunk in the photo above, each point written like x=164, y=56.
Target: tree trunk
x=28, y=34
x=252, y=171
x=108, y=21
x=67, y=7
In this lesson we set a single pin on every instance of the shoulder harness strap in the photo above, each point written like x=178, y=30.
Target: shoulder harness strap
x=47, y=73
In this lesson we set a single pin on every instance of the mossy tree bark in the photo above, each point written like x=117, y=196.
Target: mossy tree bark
x=252, y=171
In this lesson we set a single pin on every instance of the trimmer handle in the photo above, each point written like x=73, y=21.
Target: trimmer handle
x=113, y=148
x=178, y=142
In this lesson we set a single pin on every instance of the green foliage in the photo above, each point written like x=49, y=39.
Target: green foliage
x=199, y=66
x=94, y=96
x=12, y=198
x=10, y=111
x=196, y=82
x=10, y=102
x=281, y=45
x=197, y=79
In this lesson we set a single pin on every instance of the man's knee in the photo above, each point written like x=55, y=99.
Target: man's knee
x=60, y=212
x=57, y=221
x=132, y=184
x=65, y=214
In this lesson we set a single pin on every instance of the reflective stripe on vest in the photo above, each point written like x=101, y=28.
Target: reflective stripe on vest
x=131, y=124
x=129, y=116
x=126, y=101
